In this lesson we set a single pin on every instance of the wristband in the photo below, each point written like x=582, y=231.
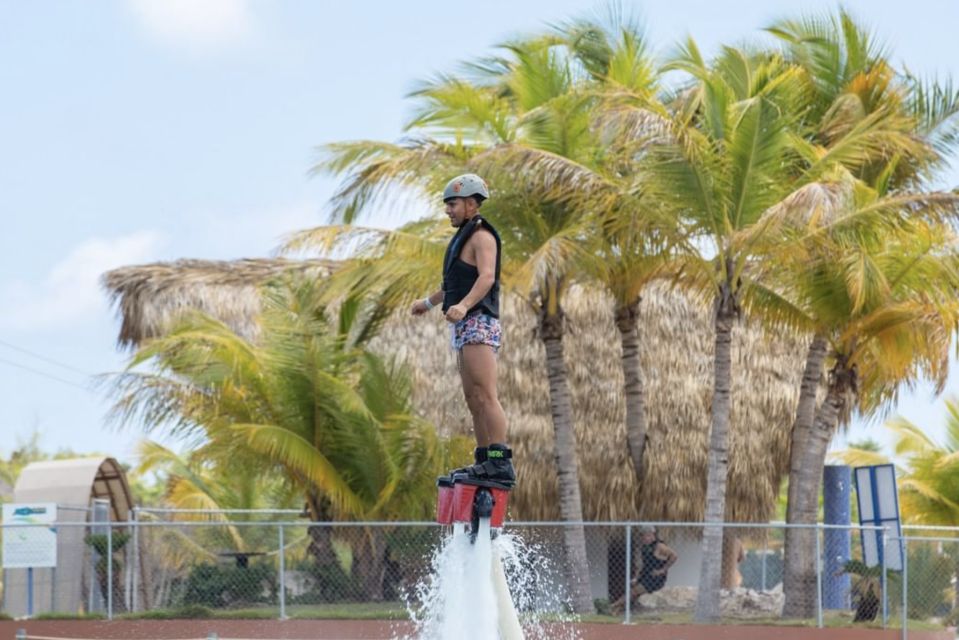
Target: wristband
x=429, y=304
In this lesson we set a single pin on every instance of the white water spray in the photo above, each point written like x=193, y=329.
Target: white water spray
x=461, y=599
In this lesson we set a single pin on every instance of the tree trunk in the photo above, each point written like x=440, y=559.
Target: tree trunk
x=320, y=546
x=809, y=481
x=567, y=466
x=800, y=544
x=369, y=565
x=633, y=386
x=710, y=574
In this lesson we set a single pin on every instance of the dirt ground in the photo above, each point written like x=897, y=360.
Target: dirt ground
x=385, y=630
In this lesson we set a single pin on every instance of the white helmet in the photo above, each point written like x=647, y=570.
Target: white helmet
x=466, y=185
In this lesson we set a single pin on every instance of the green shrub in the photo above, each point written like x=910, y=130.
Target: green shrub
x=66, y=615
x=327, y=583
x=602, y=606
x=189, y=612
x=219, y=586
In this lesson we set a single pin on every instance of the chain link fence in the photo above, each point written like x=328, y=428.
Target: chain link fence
x=255, y=566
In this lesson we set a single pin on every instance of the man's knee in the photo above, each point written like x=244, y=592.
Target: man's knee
x=474, y=403
x=482, y=394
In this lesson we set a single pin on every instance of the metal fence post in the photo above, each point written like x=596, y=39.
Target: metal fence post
x=629, y=565
x=763, y=563
x=905, y=587
x=135, y=521
x=819, y=620
x=884, y=584
x=282, y=575
x=109, y=571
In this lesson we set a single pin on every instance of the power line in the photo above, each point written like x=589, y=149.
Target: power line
x=42, y=373
x=44, y=358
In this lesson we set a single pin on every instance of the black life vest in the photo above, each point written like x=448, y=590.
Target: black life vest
x=459, y=277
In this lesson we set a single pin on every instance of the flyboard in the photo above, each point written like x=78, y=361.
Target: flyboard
x=465, y=501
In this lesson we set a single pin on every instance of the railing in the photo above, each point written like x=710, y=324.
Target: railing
x=259, y=567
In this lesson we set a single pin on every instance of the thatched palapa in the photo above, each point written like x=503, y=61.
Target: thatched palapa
x=150, y=297
x=677, y=357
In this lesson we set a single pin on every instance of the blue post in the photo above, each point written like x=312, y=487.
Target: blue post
x=30, y=592
x=836, y=492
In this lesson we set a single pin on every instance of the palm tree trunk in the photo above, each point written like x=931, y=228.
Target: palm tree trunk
x=369, y=566
x=809, y=481
x=320, y=547
x=633, y=385
x=710, y=574
x=567, y=466
x=800, y=543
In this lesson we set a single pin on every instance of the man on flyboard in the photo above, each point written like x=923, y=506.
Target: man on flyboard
x=470, y=297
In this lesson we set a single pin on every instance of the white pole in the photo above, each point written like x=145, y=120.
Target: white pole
x=628, y=594
x=509, y=627
x=905, y=588
x=282, y=576
x=109, y=571
x=819, y=621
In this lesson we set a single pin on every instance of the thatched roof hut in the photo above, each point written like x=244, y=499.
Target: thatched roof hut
x=677, y=360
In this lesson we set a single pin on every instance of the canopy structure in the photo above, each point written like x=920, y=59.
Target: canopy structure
x=73, y=485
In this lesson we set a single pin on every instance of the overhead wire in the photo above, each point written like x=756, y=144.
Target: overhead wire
x=38, y=356
x=42, y=373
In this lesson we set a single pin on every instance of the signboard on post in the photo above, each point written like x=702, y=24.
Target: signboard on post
x=30, y=547
x=878, y=501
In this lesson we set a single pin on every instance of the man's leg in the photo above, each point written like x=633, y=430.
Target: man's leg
x=473, y=402
x=479, y=371
x=479, y=428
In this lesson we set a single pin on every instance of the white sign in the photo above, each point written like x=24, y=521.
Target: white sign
x=878, y=502
x=33, y=546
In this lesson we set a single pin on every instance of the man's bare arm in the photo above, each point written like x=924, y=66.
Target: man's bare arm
x=420, y=307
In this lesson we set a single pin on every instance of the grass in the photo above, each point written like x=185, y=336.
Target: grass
x=397, y=611
x=336, y=611
x=66, y=615
x=832, y=620
x=350, y=611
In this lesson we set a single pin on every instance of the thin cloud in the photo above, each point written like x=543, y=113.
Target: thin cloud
x=196, y=24
x=70, y=293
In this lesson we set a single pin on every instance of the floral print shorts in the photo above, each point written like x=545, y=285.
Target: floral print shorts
x=478, y=328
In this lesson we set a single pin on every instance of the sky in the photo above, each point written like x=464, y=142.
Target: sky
x=134, y=131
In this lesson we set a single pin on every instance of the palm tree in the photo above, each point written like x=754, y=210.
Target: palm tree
x=632, y=243
x=884, y=309
x=307, y=403
x=731, y=158
x=854, y=97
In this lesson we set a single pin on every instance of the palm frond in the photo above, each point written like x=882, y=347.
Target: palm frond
x=302, y=458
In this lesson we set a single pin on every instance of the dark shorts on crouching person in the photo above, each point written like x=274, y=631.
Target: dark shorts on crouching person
x=651, y=583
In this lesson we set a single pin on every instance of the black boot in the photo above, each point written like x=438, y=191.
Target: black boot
x=498, y=466
x=479, y=457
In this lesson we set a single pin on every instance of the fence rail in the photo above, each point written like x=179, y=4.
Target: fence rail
x=261, y=567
